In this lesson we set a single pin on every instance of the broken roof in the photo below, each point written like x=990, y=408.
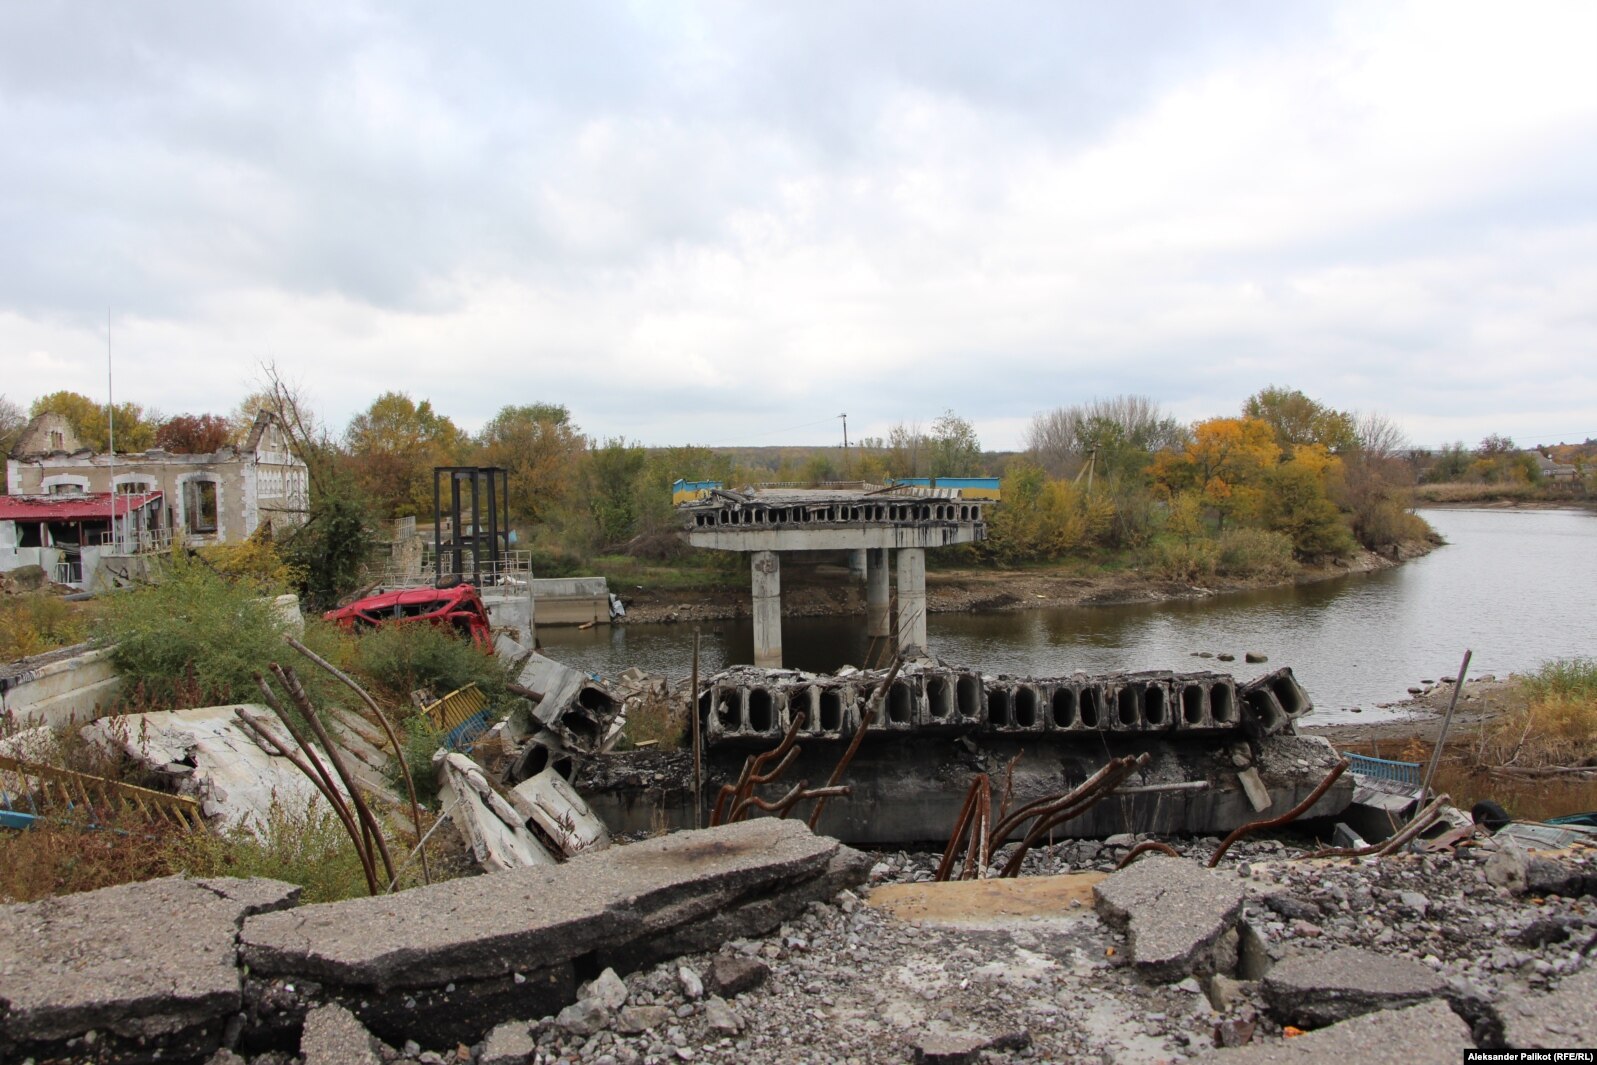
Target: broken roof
x=76, y=507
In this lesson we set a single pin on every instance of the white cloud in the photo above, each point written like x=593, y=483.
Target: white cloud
x=706, y=225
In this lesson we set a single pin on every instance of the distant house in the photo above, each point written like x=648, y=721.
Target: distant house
x=221, y=497
x=1553, y=471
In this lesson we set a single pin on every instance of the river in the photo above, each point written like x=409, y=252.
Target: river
x=1514, y=586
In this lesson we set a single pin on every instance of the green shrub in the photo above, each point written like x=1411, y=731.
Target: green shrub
x=402, y=658
x=193, y=638
x=1389, y=522
x=1254, y=553
x=1174, y=560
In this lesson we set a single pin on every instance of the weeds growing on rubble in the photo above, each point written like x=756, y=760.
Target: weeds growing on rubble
x=59, y=857
x=1552, y=723
x=196, y=638
x=35, y=623
x=308, y=847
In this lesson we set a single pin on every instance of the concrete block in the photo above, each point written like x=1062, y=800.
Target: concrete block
x=332, y=1036
x=1323, y=987
x=1426, y=1034
x=1175, y=912
x=486, y=927
x=155, y=961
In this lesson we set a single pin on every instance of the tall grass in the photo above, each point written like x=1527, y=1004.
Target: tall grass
x=1552, y=722
x=35, y=623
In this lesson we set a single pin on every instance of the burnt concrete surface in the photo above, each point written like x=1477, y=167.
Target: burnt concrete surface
x=1322, y=987
x=1174, y=911
x=1427, y=1034
x=492, y=926
x=147, y=961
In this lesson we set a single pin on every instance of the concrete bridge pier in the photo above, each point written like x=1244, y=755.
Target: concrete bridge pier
x=878, y=593
x=912, y=598
x=767, y=572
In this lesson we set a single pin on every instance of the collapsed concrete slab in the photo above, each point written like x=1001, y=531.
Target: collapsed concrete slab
x=207, y=753
x=465, y=955
x=1175, y=912
x=1560, y=1020
x=332, y=1036
x=152, y=965
x=1426, y=1034
x=1323, y=987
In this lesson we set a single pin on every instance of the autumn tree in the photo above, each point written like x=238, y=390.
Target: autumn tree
x=12, y=422
x=194, y=434
x=1297, y=419
x=1041, y=518
x=907, y=451
x=1121, y=434
x=1226, y=462
x=394, y=445
x=90, y=421
x=953, y=448
x=612, y=473
x=542, y=451
x=1298, y=502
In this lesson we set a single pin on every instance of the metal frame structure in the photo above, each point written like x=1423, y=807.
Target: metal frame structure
x=488, y=488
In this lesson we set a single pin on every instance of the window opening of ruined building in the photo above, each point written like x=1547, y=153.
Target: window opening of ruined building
x=63, y=533
x=132, y=488
x=30, y=534
x=58, y=440
x=199, y=506
x=69, y=488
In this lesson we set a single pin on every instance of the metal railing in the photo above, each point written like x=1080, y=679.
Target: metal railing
x=512, y=569
x=141, y=542
x=1405, y=773
x=48, y=791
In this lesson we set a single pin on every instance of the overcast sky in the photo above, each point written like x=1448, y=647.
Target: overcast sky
x=729, y=223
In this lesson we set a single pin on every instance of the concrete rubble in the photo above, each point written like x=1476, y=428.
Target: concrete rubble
x=206, y=753
x=237, y=962
x=1424, y=1034
x=1322, y=987
x=1176, y=915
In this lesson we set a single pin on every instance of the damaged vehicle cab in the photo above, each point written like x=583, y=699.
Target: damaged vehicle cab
x=458, y=607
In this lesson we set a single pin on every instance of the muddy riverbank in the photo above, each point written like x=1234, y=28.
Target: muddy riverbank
x=823, y=591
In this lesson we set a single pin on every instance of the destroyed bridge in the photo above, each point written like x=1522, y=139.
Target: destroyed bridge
x=881, y=525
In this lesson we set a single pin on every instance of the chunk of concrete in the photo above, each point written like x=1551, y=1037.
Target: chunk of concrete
x=733, y=974
x=332, y=1036
x=1174, y=911
x=235, y=780
x=964, y=1048
x=1323, y=987
x=152, y=961
x=1427, y=1034
x=1561, y=1019
x=487, y=927
x=510, y=1043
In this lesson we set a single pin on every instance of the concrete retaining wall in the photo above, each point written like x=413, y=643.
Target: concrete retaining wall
x=59, y=688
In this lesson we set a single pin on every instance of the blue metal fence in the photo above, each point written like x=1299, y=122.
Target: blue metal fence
x=1384, y=769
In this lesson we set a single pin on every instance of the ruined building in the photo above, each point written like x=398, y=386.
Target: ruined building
x=58, y=513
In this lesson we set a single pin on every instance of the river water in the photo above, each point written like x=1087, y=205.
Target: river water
x=1516, y=587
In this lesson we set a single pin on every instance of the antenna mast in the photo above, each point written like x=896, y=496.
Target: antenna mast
x=110, y=423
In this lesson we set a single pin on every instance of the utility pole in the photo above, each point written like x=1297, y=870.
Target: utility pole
x=846, y=466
